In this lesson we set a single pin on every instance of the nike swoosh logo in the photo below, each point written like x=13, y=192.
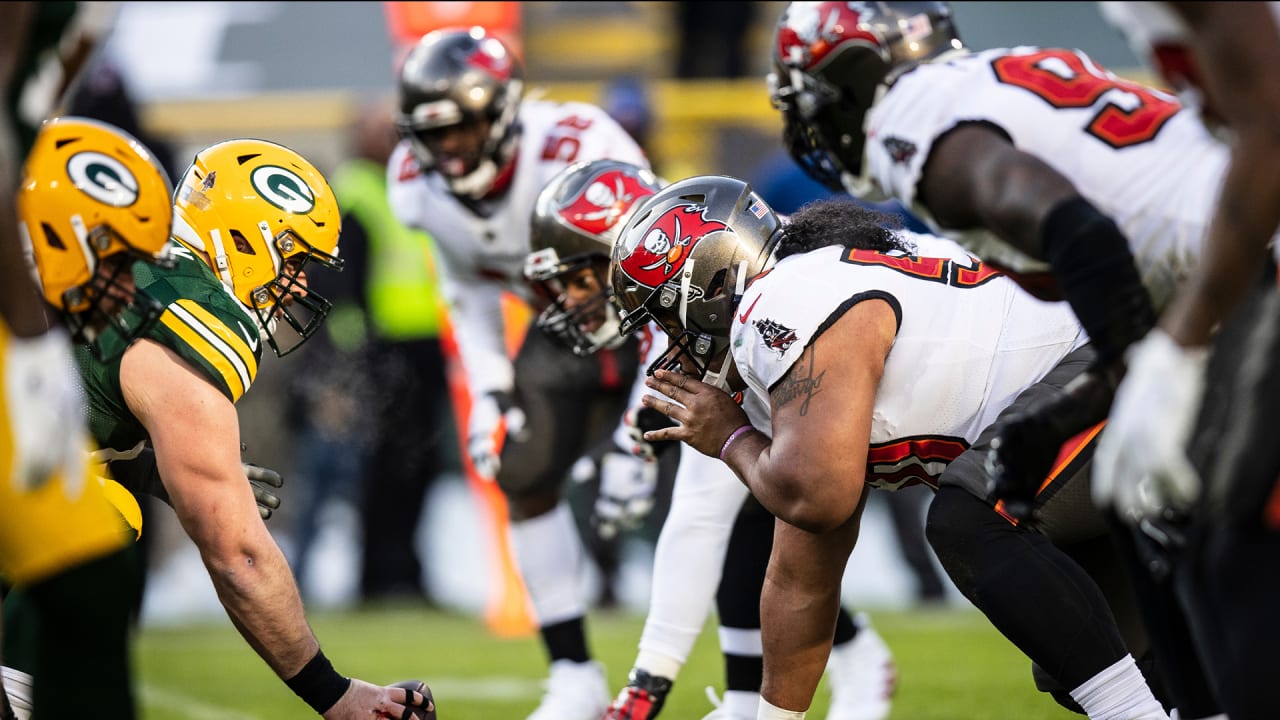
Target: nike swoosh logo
x=743, y=317
x=251, y=338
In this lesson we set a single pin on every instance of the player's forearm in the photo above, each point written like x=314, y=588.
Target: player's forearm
x=257, y=590
x=480, y=331
x=252, y=579
x=796, y=632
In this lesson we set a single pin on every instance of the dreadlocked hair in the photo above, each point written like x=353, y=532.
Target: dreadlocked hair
x=840, y=221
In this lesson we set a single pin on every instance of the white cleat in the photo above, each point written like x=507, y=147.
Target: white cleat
x=575, y=691
x=862, y=676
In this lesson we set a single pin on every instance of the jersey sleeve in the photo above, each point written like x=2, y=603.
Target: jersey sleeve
x=221, y=343
x=476, y=314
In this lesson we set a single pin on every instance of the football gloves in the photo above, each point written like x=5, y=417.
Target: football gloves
x=628, y=484
x=488, y=413
x=46, y=416
x=1027, y=441
x=1141, y=468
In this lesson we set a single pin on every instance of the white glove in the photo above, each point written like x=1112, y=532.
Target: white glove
x=488, y=413
x=46, y=416
x=627, y=486
x=630, y=437
x=1141, y=467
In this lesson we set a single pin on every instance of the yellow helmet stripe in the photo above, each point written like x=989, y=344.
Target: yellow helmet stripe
x=210, y=347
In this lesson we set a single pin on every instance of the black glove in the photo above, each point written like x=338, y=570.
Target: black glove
x=1027, y=442
x=263, y=480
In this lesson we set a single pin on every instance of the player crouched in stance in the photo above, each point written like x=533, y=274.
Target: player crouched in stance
x=92, y=202
x=894, y=317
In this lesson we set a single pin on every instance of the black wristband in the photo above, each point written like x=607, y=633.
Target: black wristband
x=318, y=684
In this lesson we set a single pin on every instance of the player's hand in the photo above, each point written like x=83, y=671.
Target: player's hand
x=263, y=480
x=489, y=413
x=636, y=445
x=627, y=487
x=1027, y=442
x=1141, y=467
x=46, y=416
x=706, y=415
x=364, y=700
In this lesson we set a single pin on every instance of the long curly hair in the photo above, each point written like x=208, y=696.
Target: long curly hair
x=840, y=221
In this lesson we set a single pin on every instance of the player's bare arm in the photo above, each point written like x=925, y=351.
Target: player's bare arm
x=798, y=606
x=1237, y=46
x=977, y=178
x=196, y=435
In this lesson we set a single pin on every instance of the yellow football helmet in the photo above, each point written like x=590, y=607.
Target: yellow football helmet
x=92, y=200
x=261, y=213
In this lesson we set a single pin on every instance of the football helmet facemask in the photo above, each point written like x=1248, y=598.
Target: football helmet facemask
x=830, y=61
x=262, y=215
x=92, y=201
x=576, y=219
x=684, y=260
x=460, y=92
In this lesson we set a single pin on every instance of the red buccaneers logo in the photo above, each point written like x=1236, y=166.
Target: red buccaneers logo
x=667, y=243
x=813, y=30
x=607, y=197
x=491, y=57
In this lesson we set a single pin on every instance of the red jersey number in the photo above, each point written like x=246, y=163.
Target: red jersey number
x=564, y=148
x=933, y=269
x=1131, y=114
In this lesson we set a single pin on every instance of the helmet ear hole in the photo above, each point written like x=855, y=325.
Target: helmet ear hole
x=242, y=244
x=51, y=237
x=716, y=286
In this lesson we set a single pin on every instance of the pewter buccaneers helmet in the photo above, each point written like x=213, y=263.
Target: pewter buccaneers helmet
x=830, y=59
x=265, y=217
x=576, y=219
x=92, y=200
x=684, y=261
x=458, y=76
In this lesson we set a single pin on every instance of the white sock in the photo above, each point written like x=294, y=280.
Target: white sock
x=549, y=553
x=769, y=712
x=689, y=557
x=740, y=703
x=1119, y=693
x=741, y=641
x=658, y=665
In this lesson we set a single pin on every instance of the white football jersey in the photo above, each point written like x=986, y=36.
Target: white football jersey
x=482, y=246
x=1133, y=151
x=969, y=341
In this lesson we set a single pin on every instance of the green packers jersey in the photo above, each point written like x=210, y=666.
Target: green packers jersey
x=202, y=322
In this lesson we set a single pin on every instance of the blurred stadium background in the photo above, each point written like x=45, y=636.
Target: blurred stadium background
x=296, y=73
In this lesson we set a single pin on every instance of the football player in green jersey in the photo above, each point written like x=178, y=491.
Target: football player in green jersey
x=251, y=218
x=97, y=200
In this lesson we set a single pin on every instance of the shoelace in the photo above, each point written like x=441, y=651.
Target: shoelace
x=715, y=702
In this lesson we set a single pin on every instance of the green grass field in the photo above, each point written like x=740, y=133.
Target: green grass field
x=952, y=666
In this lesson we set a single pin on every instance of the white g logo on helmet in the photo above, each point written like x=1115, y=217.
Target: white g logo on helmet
x=103, y=178
x=283, y=188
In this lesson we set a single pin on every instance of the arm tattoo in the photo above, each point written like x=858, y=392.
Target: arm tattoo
x=798, y=383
